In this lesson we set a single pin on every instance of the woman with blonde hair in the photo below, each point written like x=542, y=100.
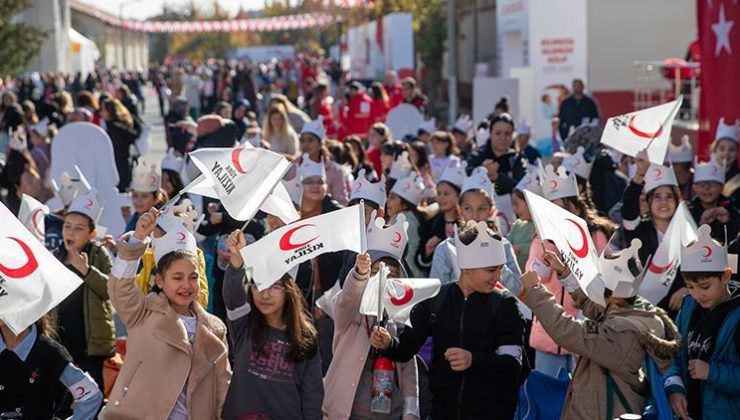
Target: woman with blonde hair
x=279, y=133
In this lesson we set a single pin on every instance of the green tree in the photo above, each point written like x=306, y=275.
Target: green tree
x=21, y=42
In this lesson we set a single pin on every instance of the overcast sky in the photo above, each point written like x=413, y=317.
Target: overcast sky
x=145, y=8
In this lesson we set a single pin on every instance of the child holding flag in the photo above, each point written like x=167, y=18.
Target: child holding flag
x=146, y=191
x=277, y=357
x=176, y=363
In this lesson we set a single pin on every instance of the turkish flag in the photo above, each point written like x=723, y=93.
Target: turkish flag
x=718, y=23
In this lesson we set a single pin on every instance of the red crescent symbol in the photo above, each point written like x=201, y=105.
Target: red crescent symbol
x=26, y=269
x=408, y=294
x=397, y=238
x=554, y=184
x=88, y=203
x=583, y=250
x=577, y=162
x=359, y=186
x=506, y=219
x=643, y=134
x=286, y=245
x=152, y=179
x=235, y=161
x=658, y=172
x=80, y=391
x=657, y=269
x=709, y=251
x=181, y=236
x=35, y=222
x=714, y=170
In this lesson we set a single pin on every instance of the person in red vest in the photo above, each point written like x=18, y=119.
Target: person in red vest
x=381, y=103
x=356, y=118
x=393, y=88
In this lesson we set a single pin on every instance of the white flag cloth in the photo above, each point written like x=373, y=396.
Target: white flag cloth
x=571, y=236
x=32, y=280
x=504, y=213
x=31, y=214
x=273, y=255
x=664, y=264
x=278, y=203
x=328, y=301
x=399, y=297
x=633, y=132
x=241, y=177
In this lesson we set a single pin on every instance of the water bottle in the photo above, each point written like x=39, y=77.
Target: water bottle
x=383, y=370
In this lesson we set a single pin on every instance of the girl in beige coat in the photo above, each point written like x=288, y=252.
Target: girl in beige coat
x=176, y=366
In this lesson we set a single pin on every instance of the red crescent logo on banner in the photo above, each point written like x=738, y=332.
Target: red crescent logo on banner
x=36, y=222
x=285, y=243
x=583, y=250
x=397, y=239
x=26, y=269
x=657, y=269
x=408, y=294
x=235, y=161
x=709, y=252
x=643, y=134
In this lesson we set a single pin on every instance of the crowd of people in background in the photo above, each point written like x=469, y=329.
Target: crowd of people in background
x=202, y=342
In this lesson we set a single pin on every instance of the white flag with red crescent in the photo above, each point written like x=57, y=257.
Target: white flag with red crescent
x=648, y=128
x=663, y=266
x=32, y=280
x=505, y=216
x=275, y=254
x=400, y=297
x=32, y=214
x=571, y=236
x=242, y=178
x=277, y=203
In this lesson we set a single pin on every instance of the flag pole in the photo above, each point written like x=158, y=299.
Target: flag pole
x=177, y=196
x=381, y=281
x=363, y=229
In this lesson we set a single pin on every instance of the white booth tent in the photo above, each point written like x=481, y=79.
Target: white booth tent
x=84, y=53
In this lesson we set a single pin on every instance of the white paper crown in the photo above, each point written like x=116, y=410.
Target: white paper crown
x=529, y=182
x=481, y=137
x=712, y=171
x=391, y=239
x=315, y=127
x=88, y=205
x=146, y=178
x=172, y=162
x=188, y=216
x=522, y=128
x=727, y=131
x=69, y=188
x=616, y=272
x=558, y=185
x=705, y=255
x=659, y=175
x=309, y=168
x=683, y=153
x=178, y=238
x=484, y=251
x=478, y=180
x=455, y=175
x=428, y=126
x=463, y=124
x=401, y=166
x=410, y=188
x=293, y=185
x=578, y=164
x=363, y=189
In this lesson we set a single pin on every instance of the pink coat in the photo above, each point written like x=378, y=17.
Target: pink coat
x=339, y=183
x=351, y=347
x=539, y=339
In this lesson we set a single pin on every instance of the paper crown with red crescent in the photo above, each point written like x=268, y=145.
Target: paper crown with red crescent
x=309, y=168
x=292, y=183
x=658, y=176
x=712, y=171
x=728, y=131
x=180, y=214
x=705, y=255
x=529, y=182
x=410, y=188
x=428, y=126
x=401, y=166
x=363, y=189
x=390, y=239
x=484, y=251
x=454, y=175
x=315, y=127
x=172, y=162
x=88, y=205
x=616, y=273
x=478, y=180
x=146, y=178
x=68, y=187
x=176, y=239
x=558, y=185
x=578, y=164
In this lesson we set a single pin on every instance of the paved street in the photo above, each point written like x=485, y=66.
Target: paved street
x=158, y=145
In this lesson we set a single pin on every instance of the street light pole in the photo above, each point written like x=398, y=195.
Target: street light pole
x=451, y=62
